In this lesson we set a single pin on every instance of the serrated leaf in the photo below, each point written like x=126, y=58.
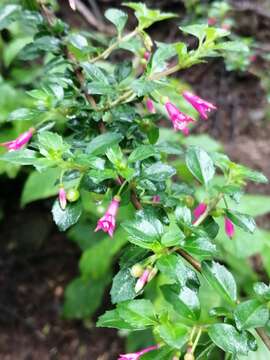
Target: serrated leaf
x=184, y=300
x=221, y=280
x=200, y=164
x=251, y=314
x=140, y=314
x=123, y=287
x=64, y=219
x=100, y=144
x=246, y=222
x=227, y=338
x=112, y=319
x=118, y=18
x=40, y=186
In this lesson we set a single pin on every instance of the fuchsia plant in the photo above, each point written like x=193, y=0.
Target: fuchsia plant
x=97, y=126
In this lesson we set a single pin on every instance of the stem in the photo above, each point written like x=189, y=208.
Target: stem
x=109, y=50
x=166, y=72
x=196, y=340
x=121, y=187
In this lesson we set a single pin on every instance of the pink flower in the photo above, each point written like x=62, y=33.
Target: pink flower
x=229, y=227
x=72, y=4
x=199, y=210
x=21, y=140
x=179, y=120
x=212, y=21
x=108, y=221
x=202, y=106
x=136, y=356
x=156, y=199
x=62, y=197
x=142, y=281
x=150, y=106
x=147, y=55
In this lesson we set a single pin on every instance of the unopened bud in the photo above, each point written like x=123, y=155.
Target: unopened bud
x=73, y=195
x=142, y=281
x=152, y=274
x=136, y=270
x=189, y=356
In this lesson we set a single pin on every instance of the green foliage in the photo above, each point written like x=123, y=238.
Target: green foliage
x=94, y=139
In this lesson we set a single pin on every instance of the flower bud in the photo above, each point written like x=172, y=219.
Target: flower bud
x=152, y=274
x=189, y=356
x=137, y=270
x=73, y=195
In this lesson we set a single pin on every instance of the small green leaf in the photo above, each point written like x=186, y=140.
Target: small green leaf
x=144, y=87
x=263, y=290
x=140, y=314
x=64, y=219
x=184, y=300
x=123, y=287
x=112, y=319
x=227, y=338
x=251, y=314
x=101, y=143
x=146, y=17
x=20, y=157
x=159, y=171
x=200, y=246
x=40, y=185
x=172, y=236
x=145, y=230
x=99, y=88
x=200, y=164
x=246, y=222
x=197, y=30
x=142, y=152
x=118, y=18
x=174, y=335
x=221, y=280
x=8, y=15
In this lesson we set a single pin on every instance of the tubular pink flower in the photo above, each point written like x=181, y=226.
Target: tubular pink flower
x=229, y=227
x=202, y=106
x=136, y=356
x=212, y=21
x=62, y=197
x=108, y=221
x=142, y=281
x=150, y=106
x=199, y=210
x=72, y=4
x=179, y=120
x=147, y=55
x=156, y=199
x=21, y=140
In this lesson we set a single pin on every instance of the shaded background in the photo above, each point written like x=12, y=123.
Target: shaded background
x=37, y=261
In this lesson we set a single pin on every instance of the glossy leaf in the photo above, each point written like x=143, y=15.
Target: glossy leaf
x=200, y=164
x=251, y=314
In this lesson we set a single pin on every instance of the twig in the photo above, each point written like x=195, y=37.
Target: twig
x=92, y=20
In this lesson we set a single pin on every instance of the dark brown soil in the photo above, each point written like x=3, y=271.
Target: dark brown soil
x=37, y=262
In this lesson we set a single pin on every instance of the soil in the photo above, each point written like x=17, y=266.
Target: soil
x=36, y=265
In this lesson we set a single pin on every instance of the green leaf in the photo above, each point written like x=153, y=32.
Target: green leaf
x=20, y=157
x=51, y=145
x=112, y=319
x=144, y=87
x=174, y=335
x=145, y=230
x=172, y=236
x=197, y=30
x=40, y=186
x=83, y=296
x=227, y=338
x=8, y=15
x=140, y=314
x=142, y=152
x=200, y=164
x=200, y=246
x=184, y=300
x=118, y=18
x=123, y=70
x=251, y=314
x=95, y=73
x=263, y=290
x=23, y=114
x=174, y=268
x=123, y=287
x=159, y=171
x=64, y=219
x=99, y=88
x=163, y=53
x=221, y=280
x=164, y=353
x=100, y=144
x=244, y=221
x=38, y=47
x=146, y=17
